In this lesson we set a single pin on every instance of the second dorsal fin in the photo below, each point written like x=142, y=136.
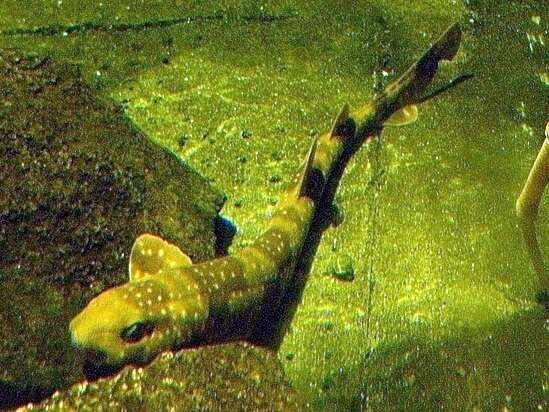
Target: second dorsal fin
x=151, y=255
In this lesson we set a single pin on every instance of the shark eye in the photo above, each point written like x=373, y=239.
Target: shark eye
x=136, y=331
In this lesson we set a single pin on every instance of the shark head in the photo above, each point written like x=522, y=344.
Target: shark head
x=127, y=324
x=134, y=322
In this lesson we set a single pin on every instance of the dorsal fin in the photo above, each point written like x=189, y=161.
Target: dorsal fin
x=404, y=116
x=307, y=169
x=151, y=255
x=339, y=120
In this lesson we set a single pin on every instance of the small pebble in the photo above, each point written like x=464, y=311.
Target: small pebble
x=343, y=268
x=182, y=140
x=245, y=134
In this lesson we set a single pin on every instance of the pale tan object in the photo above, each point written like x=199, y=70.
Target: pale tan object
x=528, y=204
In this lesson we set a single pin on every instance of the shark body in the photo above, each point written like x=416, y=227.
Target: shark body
x=170, y=303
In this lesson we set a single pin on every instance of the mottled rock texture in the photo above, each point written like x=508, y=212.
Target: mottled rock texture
x=230, y=377
x=79, y=182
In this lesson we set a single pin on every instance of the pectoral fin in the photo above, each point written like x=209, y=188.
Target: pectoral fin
x=404, y=116
x=151, y=255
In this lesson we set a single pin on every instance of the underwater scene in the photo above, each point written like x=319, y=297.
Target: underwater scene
x=274, y=206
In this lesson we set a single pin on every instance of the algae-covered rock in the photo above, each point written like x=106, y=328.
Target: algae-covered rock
x=79, y=182
x=231, y=377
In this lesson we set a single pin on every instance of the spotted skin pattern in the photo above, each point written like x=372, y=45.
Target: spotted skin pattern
x=170, y=303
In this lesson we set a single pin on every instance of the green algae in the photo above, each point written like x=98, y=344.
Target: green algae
x=429, y=216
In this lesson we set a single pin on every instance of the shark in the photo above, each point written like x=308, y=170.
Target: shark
x=170, y=303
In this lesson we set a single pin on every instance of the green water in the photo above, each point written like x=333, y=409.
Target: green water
x=441, y=312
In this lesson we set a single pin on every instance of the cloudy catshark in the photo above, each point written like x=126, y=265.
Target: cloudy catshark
x=170, y=303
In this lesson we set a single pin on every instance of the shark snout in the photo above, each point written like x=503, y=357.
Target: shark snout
x=96, y=360
x=91, y=354
x=77, y=338
x=82, y=339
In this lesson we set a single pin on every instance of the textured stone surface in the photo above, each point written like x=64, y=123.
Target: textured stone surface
x=79, y=183
x=230, y=377
x=442, y=310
